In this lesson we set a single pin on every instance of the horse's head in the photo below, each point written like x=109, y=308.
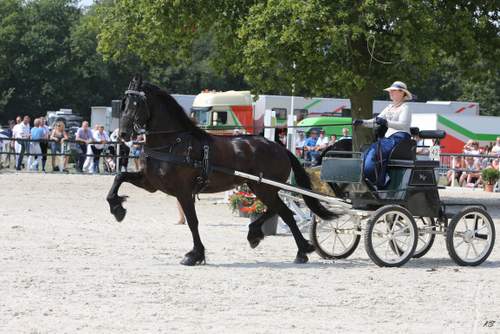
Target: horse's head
x=134, y=110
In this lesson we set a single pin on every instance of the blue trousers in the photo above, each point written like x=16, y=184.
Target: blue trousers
x=376, y=157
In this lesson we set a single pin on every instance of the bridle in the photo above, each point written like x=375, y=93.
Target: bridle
x=140, y=126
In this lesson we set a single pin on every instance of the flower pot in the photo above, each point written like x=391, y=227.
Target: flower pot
x=488, y=187
x=270, y=226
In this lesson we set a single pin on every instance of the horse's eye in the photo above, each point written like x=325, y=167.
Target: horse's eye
x=135, y=104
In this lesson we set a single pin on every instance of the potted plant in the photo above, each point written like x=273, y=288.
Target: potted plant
x=248, y=205
x=240, y=200
x=490, y=177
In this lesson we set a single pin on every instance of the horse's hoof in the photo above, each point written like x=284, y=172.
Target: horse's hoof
x=119, y=212
x=193, y=259
x=301, y=258
x=254, y=243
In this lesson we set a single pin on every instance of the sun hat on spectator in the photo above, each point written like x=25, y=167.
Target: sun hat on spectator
x=399, y=85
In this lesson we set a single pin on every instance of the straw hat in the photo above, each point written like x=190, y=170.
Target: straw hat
x=399, y=85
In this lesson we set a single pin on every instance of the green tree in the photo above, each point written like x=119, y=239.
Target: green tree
x=328, y=48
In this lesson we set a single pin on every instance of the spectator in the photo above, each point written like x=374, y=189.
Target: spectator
x=322, y=141
x=58, y=137
x=37, y=134
x=83, y=137
x=282, y=137
x=333, y=140
x=100, y=139
x=495, y=150
x=6, y=145
x=88, y=165
x=345, y=134
x=310, y=147
x=458, y=168
x=21, y=131
x=471, y=174
x=299, y=144
x=123, y=147
x=137, y=150
x=494, y=163
x=44, y=145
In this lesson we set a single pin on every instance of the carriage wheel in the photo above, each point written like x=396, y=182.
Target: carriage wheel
x=470, y=236
x=337, y=238
x=391, y=236
x=426, y=227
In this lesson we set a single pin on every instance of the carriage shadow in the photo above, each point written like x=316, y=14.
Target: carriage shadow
x=427, y=264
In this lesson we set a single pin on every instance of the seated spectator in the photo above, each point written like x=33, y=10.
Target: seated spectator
x=494, y=163
x=495, y=150
x=471, y=174
x=458, y=168
x=100, y=140
x=322, y=141
x=310, y=147
x=299, y=143
x=333, y=140
x=58, y=136
x=345, y=134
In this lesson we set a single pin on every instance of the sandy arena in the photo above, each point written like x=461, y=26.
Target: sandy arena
x=68, y=267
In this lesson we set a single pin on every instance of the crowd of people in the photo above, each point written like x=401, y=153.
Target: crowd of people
x=87, y=148
x=467, y=168
x=311, y=147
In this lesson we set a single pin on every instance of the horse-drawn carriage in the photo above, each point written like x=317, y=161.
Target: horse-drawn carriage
x=182, y=160
x=403, y=219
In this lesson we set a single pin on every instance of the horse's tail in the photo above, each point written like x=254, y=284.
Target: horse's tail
x=303, y=181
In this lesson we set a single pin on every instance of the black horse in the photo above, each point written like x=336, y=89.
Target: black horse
x=182, y=160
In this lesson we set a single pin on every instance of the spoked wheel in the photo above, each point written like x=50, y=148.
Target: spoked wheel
x=426, y=227
x=470, y=236
x=391, y=236
x=337, y=238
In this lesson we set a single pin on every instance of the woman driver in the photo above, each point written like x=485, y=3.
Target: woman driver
x=397, y=118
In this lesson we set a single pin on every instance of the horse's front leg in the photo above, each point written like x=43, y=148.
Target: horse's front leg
x=115, y=201
x=197, y=254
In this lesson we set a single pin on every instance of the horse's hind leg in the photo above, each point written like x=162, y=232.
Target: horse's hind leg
x=255, y=234
x=269, y=196
x=115, y=201
x=197, y=254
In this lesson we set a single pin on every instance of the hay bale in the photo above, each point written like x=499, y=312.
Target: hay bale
x=317, y=184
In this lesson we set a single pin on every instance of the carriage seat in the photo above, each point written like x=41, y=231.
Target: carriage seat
x=404, y=150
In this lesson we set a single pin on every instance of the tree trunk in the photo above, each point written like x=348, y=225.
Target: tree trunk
x=362, y=108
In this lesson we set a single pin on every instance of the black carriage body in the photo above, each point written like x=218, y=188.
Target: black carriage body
x=412, y=184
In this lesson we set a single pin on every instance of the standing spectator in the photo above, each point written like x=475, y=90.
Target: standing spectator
x=100, y=139
x=282, y=137
x=35, y=158
x=44, y=145
x=88, y=165
x=21, y=131
x=84, y=137
x=495, y=150
x=345, y=134
x=123, y=148
x=137, y=150
x=6, y=145
x=58, y=136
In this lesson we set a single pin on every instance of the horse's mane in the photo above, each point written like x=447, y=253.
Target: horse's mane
x=176, y=109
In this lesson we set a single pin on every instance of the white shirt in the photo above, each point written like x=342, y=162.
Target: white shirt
x=98, y=136
x=398, y=119
x=322, y=141
x=21, y=130
x=495, y=149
